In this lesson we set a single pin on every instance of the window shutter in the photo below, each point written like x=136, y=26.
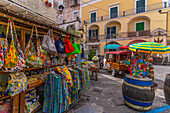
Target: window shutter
x=140, y=26
x=97, y=32
x=108, y=32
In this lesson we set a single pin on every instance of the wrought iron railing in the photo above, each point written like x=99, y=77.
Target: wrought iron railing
x=152, y=7
x=125, y=35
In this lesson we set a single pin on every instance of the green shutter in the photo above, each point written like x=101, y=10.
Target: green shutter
x=114, y=31
x=97, y=32
x=140, y=26
x=93, y=17
x=89, y=33
x=140, y=6
x=113, y=12
x=108, y=32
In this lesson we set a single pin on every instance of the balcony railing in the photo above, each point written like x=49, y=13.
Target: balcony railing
x=129, y=12
x=93, y=38
x=126, y=35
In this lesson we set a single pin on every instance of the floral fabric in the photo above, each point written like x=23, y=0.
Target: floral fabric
x=17, y=83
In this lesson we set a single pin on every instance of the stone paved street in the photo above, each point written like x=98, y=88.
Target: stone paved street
x=106, y=93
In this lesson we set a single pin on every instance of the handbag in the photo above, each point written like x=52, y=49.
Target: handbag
x=43, y=54
x=14, y=59
x=60, y=45
x=17, y=83
x=48, y=42
x=68, y=46
x=77, y=48
x=31, y=55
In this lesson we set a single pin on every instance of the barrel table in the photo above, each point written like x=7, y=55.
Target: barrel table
x=138, y=92
x=167, y=88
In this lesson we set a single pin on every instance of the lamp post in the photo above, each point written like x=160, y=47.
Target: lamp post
x=160, y=11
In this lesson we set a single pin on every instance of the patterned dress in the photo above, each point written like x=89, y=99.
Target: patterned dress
x=76, y=85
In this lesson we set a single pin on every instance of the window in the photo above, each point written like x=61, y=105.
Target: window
x=75, y=15
x=75, y=2
x=114, y=12
x=140, y=26
x=93, y=17
x=111, y=32
x=93, y=34
x=140, y=6
x=60, y=19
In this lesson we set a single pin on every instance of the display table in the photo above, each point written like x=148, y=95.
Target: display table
x=94, y=69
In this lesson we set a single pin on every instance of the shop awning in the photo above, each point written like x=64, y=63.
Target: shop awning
x=112, y=46
x=124, y=47
x=118, y=52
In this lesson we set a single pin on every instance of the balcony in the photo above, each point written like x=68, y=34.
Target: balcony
x=93, y=38
x=129, y=12
x=127, y=35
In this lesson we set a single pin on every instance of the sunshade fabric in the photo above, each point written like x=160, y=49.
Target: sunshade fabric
x=148, y=47
x=112, y=46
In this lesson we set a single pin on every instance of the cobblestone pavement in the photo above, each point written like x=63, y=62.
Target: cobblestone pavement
x=106, y=93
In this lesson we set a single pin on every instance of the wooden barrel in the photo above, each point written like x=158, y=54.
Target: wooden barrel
x=138, y=92
x=167, y=88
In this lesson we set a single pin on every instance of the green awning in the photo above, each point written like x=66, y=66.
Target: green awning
x=112, y=46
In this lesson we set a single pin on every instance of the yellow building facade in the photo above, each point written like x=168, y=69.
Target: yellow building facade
x=124, y=22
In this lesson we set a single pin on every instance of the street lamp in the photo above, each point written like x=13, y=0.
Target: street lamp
x=160, y=11
x=60, y=9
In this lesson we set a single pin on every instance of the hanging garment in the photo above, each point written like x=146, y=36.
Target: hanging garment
x=17, y=83
x=64, y=71
x=87, y=77
x=82, y=81
x=76, y=84
x=52, y=95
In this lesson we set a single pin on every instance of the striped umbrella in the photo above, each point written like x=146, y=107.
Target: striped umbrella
x=148, y=47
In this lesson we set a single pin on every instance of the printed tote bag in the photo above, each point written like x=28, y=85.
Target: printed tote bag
x=14, y=59
x=31, y=55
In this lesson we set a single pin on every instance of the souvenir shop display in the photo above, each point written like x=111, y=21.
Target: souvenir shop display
x=25, y=77
x=139, y=87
